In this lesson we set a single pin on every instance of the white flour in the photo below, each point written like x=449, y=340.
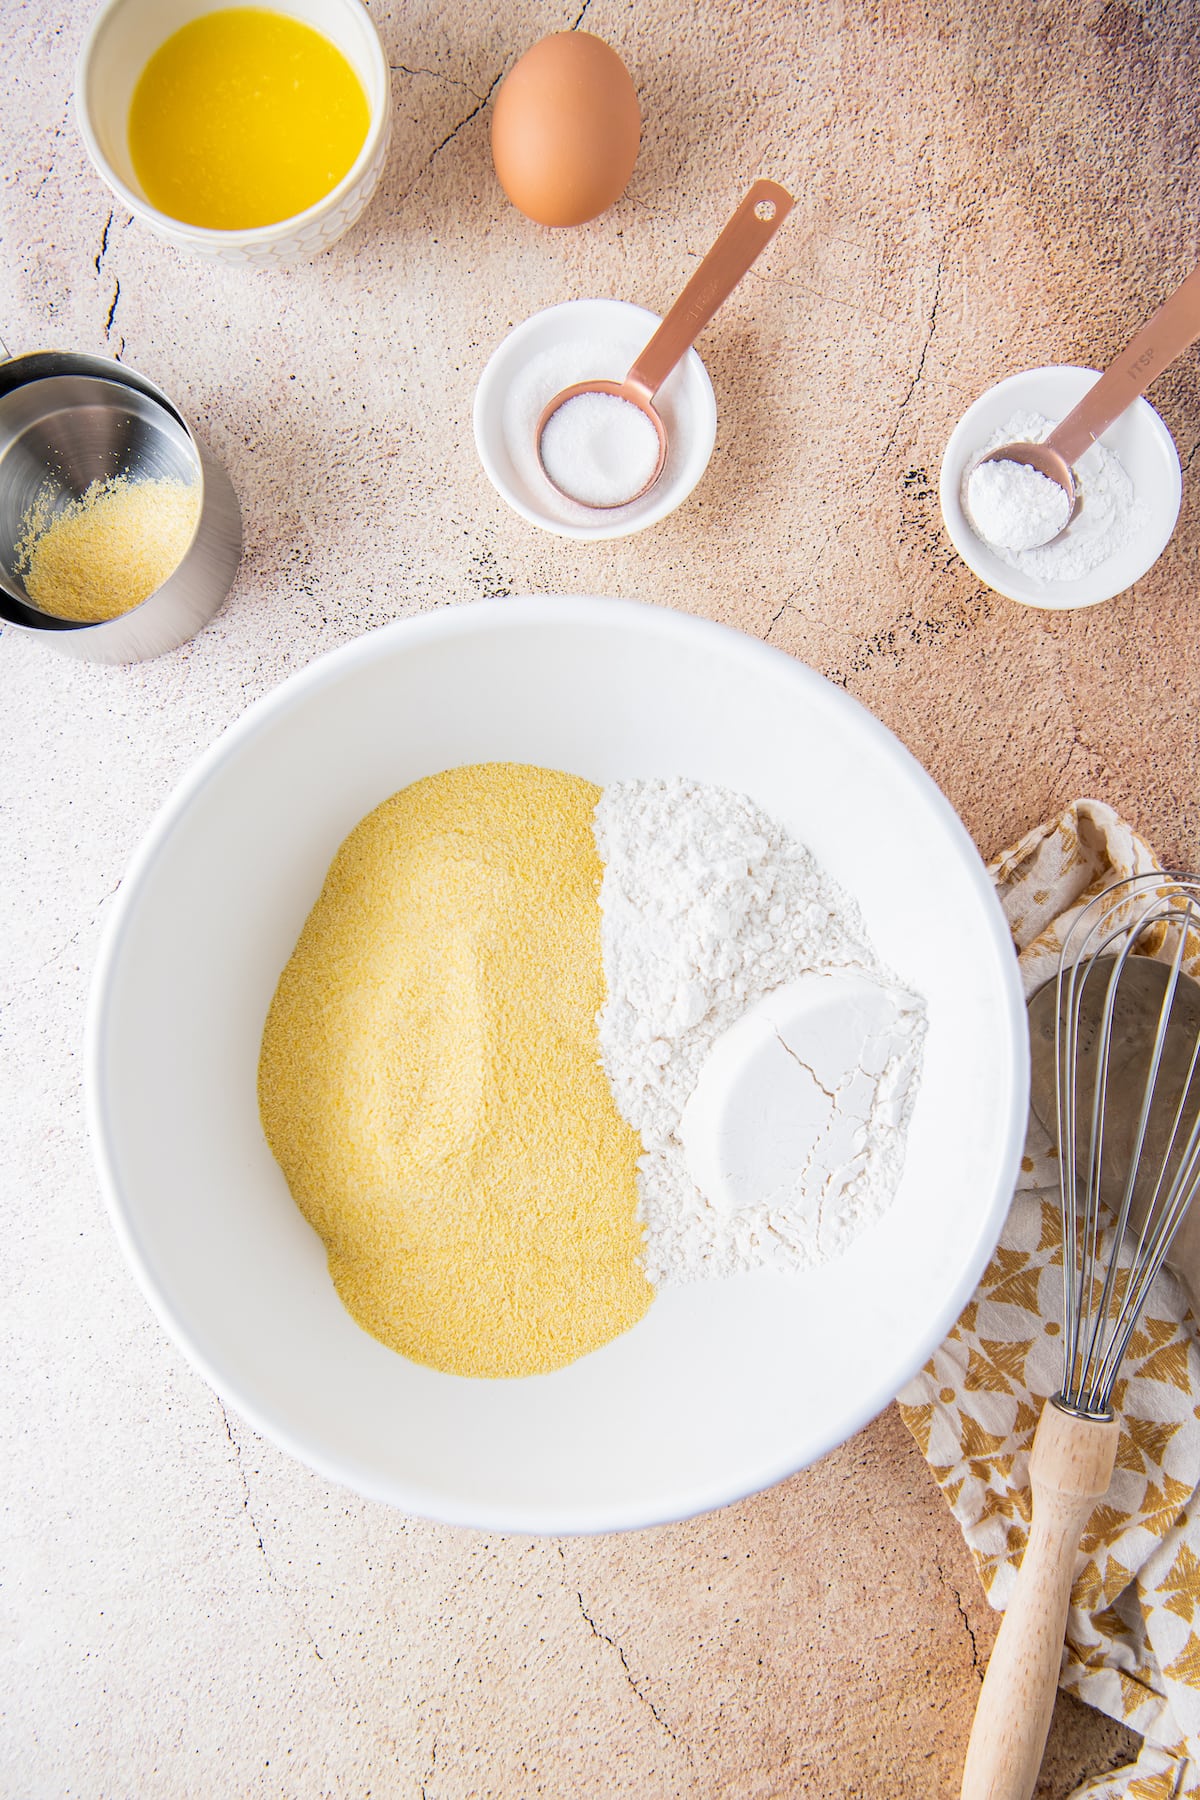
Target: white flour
x=707, y=906
x=1109, y=516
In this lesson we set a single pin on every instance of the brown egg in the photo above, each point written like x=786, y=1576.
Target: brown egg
x=566, y=129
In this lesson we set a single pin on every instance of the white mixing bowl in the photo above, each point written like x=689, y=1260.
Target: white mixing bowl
x=724, y=1387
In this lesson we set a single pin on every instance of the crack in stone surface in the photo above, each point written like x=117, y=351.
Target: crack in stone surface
x=579, y=17
x=962, y=1613
x=918, y=372
x=830, y=537
x=248, y=1509
x=103, y=250
x=349, y=1700
x=461, y=126
x=790, y=284
x=1072, y=739
x=112, y=311
x=56, y=956
x=436, y=75
x=635, y=1685
x=42, y=969
x=786, y=607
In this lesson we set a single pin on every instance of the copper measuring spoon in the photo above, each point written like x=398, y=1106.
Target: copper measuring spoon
x=1166, y=335
x=748, y=233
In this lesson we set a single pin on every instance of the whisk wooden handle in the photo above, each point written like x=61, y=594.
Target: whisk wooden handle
x=1069, y=1471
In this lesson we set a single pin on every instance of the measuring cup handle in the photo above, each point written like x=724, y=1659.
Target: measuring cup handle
x=748, y=233
x=1167, y=335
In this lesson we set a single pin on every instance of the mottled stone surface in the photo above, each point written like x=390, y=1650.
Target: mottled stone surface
x=980, y=189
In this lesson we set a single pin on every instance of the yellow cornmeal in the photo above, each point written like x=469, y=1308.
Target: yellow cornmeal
x=102, y=555
x=430, y=1079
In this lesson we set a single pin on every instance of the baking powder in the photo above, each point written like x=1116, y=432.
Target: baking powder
x=1014, y=507
x=1109, y=517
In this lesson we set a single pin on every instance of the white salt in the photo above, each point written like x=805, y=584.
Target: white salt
x=599, y=449
x=1015, y=507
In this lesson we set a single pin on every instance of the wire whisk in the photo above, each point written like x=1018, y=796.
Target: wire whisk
x=1115, y=1049
x=1127, y=1048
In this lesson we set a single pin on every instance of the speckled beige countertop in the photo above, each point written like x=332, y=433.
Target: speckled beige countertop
x=980, y=188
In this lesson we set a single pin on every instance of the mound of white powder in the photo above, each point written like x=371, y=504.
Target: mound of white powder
x=1014, y=507
x=708, y=905
x=1109, y=517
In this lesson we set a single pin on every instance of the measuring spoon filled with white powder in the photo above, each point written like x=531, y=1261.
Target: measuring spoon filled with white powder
x=1014, y=506
x=1027, y=519
x=599, y=450
x=594, y=438
x=548, y=352
x=1173, y=327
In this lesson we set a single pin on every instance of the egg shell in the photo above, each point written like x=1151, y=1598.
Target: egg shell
x=566, y=129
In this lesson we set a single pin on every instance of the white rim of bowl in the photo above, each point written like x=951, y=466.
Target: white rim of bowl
x=378, y=123
x=515, y=613
x=485, y=401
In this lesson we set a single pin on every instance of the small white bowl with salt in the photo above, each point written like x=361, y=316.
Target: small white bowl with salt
x=582, y=340
x=1129, y=484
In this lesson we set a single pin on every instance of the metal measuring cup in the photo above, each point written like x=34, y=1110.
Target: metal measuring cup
x=67, y=420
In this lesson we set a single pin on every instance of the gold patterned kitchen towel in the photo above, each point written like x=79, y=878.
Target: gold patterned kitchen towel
x=1133, y=1631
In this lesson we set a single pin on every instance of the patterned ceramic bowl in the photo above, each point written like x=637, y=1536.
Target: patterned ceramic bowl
x=126, y=33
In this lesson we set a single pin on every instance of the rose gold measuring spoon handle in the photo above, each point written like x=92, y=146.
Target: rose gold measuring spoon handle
x=747, y=234
x=1167, y=335
x=1154, y=348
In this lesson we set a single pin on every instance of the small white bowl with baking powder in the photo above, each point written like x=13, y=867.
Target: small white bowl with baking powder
x=1141, y=444
x=579, y=341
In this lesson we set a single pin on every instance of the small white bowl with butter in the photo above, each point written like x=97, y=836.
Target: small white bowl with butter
x=125, y=34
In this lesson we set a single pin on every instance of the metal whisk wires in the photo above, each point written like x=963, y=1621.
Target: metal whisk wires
x=1144, y=1184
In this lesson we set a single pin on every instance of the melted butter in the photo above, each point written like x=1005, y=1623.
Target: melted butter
x=243, y=118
